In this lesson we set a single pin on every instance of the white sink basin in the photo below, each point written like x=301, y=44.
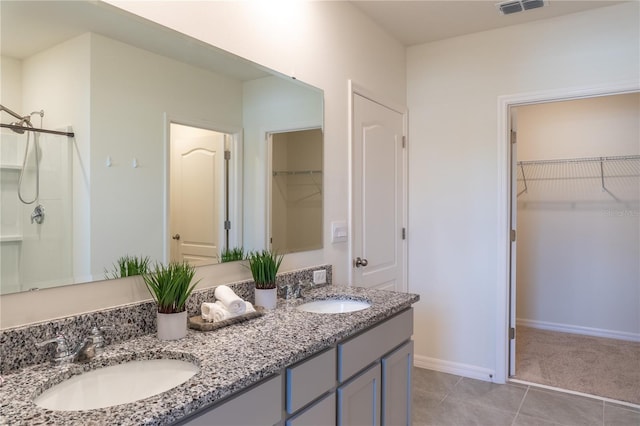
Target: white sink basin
x=334, y=306
x=117, y=384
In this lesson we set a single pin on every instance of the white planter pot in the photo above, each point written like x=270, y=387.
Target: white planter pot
x=172, y=326
x=267, y=298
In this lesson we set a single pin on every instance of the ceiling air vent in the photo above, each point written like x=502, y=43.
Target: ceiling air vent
x=509, y=7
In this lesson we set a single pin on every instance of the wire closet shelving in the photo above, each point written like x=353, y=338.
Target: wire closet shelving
x=616, y=177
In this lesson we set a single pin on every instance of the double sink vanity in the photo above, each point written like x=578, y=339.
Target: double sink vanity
x=341, y=355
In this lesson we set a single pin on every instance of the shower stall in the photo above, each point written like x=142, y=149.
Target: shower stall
x=36, y=203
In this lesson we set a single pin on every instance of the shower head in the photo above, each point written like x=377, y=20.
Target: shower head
x=24, y=122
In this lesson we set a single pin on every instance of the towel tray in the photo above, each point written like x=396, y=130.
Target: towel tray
x=197, y=323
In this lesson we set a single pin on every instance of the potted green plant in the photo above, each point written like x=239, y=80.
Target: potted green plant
x=231, y=254
x=264, y=267
x=127, y=266
x=170, y=286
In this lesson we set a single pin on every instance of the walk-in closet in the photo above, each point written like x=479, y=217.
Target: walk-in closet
x=577, y=277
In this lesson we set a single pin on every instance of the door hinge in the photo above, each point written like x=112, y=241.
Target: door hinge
x=512, y=333
x=227, y=224
x=513, y=235
x=227, y=155
x=514, y=136
x=404, y=233
x=404, y=141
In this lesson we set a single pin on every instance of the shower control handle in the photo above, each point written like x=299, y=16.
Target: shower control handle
x=176, y=237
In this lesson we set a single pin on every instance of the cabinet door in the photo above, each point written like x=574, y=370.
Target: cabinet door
x=396, y=386
x=359, y=399
x=322, y=413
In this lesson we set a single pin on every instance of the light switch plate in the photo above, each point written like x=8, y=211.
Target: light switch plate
x=339, y=232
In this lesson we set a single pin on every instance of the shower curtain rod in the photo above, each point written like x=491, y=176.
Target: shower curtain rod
x=35, y=129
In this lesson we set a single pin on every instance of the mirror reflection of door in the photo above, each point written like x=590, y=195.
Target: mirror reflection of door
x=296, y=190
x=196, y=194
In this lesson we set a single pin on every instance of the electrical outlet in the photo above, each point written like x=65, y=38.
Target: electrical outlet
x=320, y=276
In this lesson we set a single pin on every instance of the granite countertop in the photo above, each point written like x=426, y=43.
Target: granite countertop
x=230, y=359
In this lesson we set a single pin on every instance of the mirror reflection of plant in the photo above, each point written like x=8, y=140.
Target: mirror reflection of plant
x=127, y=266
x=264, y=267
x=170, y=286
x=231, y=255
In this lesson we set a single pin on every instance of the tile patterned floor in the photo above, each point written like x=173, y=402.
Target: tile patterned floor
x=445, y=399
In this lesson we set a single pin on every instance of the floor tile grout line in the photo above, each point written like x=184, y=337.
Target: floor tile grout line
x=446, y=395
x=483, y=405
x=521, y=404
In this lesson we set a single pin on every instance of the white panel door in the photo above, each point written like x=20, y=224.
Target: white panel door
x=378, y=195
x=196, y=194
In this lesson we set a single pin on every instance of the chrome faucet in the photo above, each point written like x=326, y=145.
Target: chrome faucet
x=86, y=350
x=296, y=290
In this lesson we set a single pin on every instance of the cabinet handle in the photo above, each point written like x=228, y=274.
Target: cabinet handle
x=176, y=237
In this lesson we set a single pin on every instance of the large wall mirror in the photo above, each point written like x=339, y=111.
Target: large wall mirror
x=171, y=153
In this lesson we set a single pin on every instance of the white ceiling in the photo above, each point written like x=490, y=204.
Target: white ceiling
x=417, y=22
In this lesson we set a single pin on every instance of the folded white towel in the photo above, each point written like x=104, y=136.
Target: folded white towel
x=214, y=312
x=250, y=307
x=230, y=300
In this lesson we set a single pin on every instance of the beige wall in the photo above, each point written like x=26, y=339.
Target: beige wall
x=453, y=88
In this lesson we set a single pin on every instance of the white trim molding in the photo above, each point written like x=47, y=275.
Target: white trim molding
x=578, y=329
x=459, y=369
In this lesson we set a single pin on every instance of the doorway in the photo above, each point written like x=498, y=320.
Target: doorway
x=575, y=280
x=295, y=190
x=199, y=182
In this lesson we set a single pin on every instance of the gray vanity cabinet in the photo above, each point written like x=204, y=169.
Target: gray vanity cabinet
x=359, y=399
x=362, y=380
x=258, y=406
x=320, y=413
x=396, y=386
x=374, y=371
x=310, y=379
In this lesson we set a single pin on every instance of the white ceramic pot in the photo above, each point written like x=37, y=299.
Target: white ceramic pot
x=172, y=326
x=267, y=298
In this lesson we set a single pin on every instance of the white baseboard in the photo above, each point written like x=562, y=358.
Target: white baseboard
x=459, y=369
x=576, y=329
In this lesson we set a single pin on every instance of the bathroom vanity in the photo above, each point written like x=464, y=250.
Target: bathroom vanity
x=287, y=367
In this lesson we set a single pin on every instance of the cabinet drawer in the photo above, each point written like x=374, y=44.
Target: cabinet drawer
x=321, y=413
x=310, y=379
x=362, y=350
x=259, y=406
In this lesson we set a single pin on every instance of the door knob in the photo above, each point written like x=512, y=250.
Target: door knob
x=360, y=262
x=176, y=237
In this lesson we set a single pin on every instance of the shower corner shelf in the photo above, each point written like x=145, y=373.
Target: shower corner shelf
x=11, y=238
x=11, y=167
